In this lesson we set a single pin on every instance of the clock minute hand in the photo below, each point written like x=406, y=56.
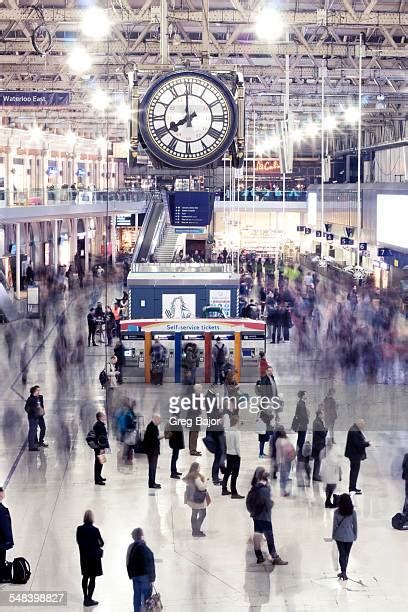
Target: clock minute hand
x=190, y=117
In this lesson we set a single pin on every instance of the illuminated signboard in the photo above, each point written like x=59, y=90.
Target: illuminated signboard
x=267, y=166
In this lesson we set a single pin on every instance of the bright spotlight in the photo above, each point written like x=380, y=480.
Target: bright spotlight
x=71, y=138
x=36, y=133
x=261, y=148
x=311, y=129
x=330, y=123
x=100, y=100
x=101, y=142
x=123, y=112
x=270, y=25
x=95, y=23
x=351, y=114
x=273, y=142
x=79, y=60
x=297, y=135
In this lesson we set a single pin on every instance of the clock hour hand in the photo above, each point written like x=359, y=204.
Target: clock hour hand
x=187, y=119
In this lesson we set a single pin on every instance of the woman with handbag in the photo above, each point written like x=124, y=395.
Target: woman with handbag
x=196, y=496
x=90, y=545
x=344, y=531
x=101, y=438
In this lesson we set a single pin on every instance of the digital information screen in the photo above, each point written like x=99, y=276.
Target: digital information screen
x=190, y=208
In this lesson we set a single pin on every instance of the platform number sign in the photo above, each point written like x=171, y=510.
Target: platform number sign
x=329, y=236
x=308, y=230
x=384, y=252
x=318, y=234
x=362, y=246
x=300, y=228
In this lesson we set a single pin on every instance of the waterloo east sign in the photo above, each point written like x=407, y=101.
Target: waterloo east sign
x=37, y=99
x=267, y=166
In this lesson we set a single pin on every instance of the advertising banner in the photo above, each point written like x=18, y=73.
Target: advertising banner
x=222, y=299
x=35, y=98
x=178, y=305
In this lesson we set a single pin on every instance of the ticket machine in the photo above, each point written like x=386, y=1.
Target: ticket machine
x=167, y=340
x=197, y=339
x=251, y=343
x=134, y=368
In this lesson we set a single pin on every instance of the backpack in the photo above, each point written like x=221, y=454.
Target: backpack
x=103, y=378
x=121, y=423
x=91, y=440
x=252, y=501
x=220, y=358
x=400, y=521
x=20, y=571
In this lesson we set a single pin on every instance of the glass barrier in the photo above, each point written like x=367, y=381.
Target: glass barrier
x=264, y=195
x=51, y=197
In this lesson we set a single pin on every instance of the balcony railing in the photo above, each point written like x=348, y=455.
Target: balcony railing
x=52, y=197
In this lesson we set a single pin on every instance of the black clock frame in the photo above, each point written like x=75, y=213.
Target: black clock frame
x=156, y=152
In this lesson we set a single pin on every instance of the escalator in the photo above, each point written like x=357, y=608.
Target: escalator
x=151, y=229
x=8, y=309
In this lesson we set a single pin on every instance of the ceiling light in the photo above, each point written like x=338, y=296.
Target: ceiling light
x=71, y=138
x=380, y=97
x=311, y=129
x=297, y=135
x=273, y=142
x=36, y=133
x=351, y=114
x=101, y=142
x=123, y=112
x=100, y=100
x=95, y=23
x=330, y=123
x=261, y=148
x=79, y=60
x=270, y=24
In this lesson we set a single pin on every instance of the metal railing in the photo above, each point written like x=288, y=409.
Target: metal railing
x=181, y=268
x=52, y=197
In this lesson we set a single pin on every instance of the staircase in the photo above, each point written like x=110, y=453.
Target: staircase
x=165, y=251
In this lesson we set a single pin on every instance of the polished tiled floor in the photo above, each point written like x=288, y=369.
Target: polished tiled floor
x=48, y=493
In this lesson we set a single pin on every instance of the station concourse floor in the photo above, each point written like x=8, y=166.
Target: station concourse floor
x=49, y=491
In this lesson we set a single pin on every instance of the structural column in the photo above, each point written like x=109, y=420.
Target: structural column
x=18, y=260
x=86, y=267
x=55, y=242
x=9, y=177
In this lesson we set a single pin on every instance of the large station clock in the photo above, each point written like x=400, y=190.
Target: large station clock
x=187, y=119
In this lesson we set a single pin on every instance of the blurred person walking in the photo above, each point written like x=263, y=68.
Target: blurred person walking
x=175, y=436
x=330, y=412
x=101, y=439
x=330, y=471
x=285, y=454
x=233, y=445
x=300, y=420
x=318, y=442
x=344, y=531
x=90, y=545
x=151, y=445
x=219, y=357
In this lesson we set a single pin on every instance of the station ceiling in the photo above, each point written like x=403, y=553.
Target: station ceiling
x=216, y=34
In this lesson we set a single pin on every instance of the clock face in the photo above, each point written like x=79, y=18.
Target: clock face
x=188, y=119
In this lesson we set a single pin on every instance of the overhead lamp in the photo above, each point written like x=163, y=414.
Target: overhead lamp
x=36, y=133
x=100, y=100
x=311, y=129
x=101, y=142
x=123, y=112
x=273, y=142
x=95, y=23
x=79, y=60
x=270, y=24
x=351, y=114
x=330, y=123
x=71, y=138
x=261, y=148
x=297, y=135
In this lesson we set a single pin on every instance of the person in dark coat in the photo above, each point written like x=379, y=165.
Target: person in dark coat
x=101, y=435
x=318, y=442
x=405, y=477
x=6, y=534
x=91, y=327
x=330, y=412
x=175, y=436
x=151, y=443
x=275, y=318
x=34, y=408
x=119, y=351
x=301, y=420
x=286, y=322
x=268, y=386
x=141, y=569
x=356, y=445
x=90, y=545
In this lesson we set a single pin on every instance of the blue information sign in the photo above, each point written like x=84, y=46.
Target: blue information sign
x=384, y=252
x=35, y=98
x=190, y=208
